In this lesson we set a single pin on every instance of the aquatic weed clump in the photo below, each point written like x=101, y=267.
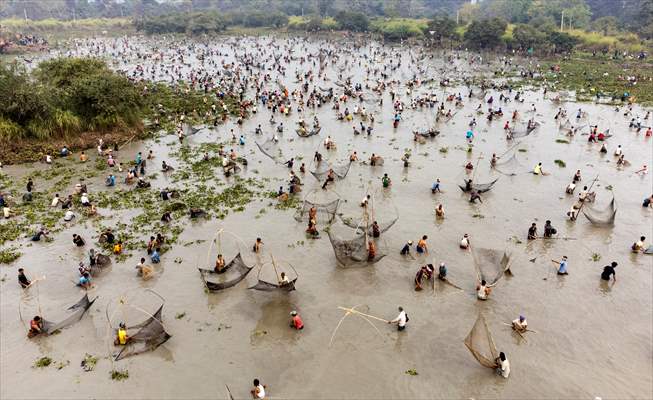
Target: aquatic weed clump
x=117, y=375
x=42, y=362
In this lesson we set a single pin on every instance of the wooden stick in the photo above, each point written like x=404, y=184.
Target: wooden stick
x=231, y=397
x=351, y=310
x=526, y=330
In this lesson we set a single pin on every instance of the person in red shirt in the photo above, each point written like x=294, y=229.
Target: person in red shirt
x=296, y=321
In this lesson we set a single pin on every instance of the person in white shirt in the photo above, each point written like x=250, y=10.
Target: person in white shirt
x=570, y=188
x=48, y=159
x=483, y=290
x=618, y=152
x=401, y=319
x=520, y=324
x=503, y=365
x=259, y=390
x=69, y=216
x=464, y=243
x=55, y=201
x=85, y=200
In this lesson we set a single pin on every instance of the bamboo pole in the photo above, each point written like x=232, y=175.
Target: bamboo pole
x=351, y=310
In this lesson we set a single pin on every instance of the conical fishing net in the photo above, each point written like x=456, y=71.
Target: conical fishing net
x=237, y=266
x=490, y=264
x=480, y=187
x=325, y=213
x=601, y=217
x=272, y=149
x=102, y=261
x=312, y=132
x=510, y=166
x=78, y=308
x=480, y=343
x=351, y=251
x=150, y=336
x=339, y=170
x=383, y=226
x=524, y=130
x=268, y=287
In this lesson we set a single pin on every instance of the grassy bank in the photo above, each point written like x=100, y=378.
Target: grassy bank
x=54, y=29
x=75, y=101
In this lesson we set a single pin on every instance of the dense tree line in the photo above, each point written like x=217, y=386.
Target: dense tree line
x=633, y=15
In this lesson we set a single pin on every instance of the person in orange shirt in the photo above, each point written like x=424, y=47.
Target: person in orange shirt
x=296, y=321
x=421, y=245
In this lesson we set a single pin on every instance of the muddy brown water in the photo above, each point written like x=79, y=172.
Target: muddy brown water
x=593, y=339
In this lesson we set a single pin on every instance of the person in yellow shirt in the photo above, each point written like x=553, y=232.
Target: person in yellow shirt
x=121, y=337
x=117, y=248
x=538, y=169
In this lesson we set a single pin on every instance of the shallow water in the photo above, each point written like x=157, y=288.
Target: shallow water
x=592, y=339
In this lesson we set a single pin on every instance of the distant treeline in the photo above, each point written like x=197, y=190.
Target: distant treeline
x=605, y=16
x=539, y=35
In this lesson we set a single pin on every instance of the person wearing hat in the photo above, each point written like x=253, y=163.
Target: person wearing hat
x=121, y=337
x=296, y=321
x=520, y=324
x=608, y=271
x=405, y=251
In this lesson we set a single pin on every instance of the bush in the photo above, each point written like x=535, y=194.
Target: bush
x=399, y=28
x=562, y=42
x=352, y=21
x=192, y=23
x=65, y=96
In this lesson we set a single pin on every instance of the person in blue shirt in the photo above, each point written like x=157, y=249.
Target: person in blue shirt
x=85, y=280
x=436, y=186
x=469, y=135
x=155, y=256
x=242, y=140
x=139, y=158
x=111, y=180
x=64, y=151
x=562, y=268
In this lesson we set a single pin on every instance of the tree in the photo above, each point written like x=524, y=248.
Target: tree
x=514, y=11
x=606, y=25
x=562, y=42
x=485, y=33
x=576, y=12
x=527, y=37
x=442, y=27
x=352, y=21
x=468, y=12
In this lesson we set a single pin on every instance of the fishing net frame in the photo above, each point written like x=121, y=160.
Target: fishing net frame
x=480, y=343
x=499, y=259
x=266, y=286
x=79, y=309
x=603, y=217
x=235, y=264
x=326, y=212
x=150, y=335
